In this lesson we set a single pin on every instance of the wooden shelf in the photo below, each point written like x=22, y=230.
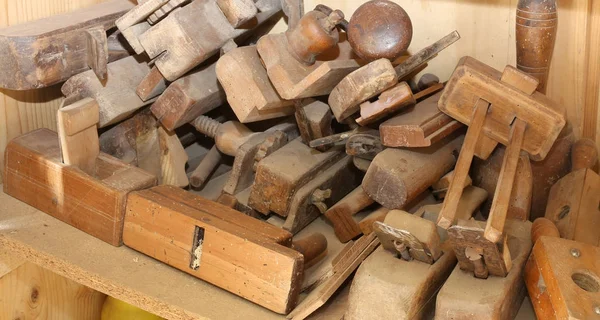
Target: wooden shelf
x=119, y=272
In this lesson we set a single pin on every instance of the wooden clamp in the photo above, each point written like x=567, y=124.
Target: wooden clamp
x=116, y=96
x=562, y=276
x=217, y=244
x=44, y=52
x=518, y=118
x=89, y=183
x=378, y=76
x=296, y=79
x=573, y=200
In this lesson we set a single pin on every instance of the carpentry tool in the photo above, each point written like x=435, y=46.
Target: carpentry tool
x=562, y=276
x=401, y=278
x=364, y=145
x=152, y=85
x=250, y=93
x=536, y=28
x=189, y=97
x=420, y=126
x=235, y=139
x=314, y=120
x=300, y=183
x=378, y=76
x=286, y=63
x=520, y=118
x=380, y=29
x=440, y=188
x=140, y=141
x=465, y=296
x=545, y=173
x=397, y=176
x=391, y=101
x=88, y=182
x=340, y=215
x=44, y=52
x=116, y=96
x=573, y=203
x=217, y=244
x=343, y=266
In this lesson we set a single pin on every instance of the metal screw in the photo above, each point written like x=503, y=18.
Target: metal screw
x=402, y=250
x=318, y=197
x=575, y=253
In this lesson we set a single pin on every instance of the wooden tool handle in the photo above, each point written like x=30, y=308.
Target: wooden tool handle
x=413, y=62
x=312, y=247
x=543, y=227
x=583, y=154
x=536, y=27
x=206, y=167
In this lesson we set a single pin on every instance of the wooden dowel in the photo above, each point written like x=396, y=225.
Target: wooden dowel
x=494, y=228
x=461, y=171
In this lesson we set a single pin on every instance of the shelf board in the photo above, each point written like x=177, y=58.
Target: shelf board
x=119, y=272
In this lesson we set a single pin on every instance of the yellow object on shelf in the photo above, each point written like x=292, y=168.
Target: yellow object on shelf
x=115, y=309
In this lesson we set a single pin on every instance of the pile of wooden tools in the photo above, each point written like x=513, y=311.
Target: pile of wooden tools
x=192, y=133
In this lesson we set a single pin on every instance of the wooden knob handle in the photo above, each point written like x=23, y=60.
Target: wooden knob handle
x=536, y=27
x=380, y=29
x=583, y=154
x=314, y=34
x=543, y=227
x=312, y=247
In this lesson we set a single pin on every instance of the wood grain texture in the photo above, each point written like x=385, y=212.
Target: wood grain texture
x=32, y=292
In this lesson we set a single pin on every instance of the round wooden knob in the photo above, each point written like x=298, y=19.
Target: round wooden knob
x=380, y=29
x=543, y=227
x=583, y=154
x=313, y=247
x=314, y=34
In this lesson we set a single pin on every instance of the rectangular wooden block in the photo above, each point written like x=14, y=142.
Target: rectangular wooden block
x=189, y=97
x=249, y=90
x=35, y=175
x=473, y=80
x=561, y=285
x=282, y=173
x=201, y=238
x=44, y=52
x=464, y=297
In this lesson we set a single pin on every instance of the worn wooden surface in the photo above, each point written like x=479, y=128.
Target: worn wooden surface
x=280, y=175
x=189, y=97
x=340, y=215
x=561, y=285
x=36, y=175
x=386, y=287
x=544, y=117
x=394, y=183
x=465, y=297
x=116, y=97
x=249, y=90
x=197, y=238
x=420, y=126
x=78, y=134
x=573, y=200
x=31, y=56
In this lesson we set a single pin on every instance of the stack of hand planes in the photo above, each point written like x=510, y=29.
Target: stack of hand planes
x=194, y=134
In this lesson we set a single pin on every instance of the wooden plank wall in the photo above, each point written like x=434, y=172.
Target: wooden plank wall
x=28, y=291
x=486, y=26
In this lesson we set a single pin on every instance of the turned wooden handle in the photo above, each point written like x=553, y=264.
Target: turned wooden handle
x=583, y=154
x=543, y=227
x=312, y=247
x=536, y=26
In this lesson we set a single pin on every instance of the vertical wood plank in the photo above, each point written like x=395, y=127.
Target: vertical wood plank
x=23, y=111
x=32, y=292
